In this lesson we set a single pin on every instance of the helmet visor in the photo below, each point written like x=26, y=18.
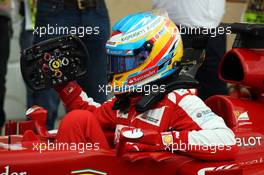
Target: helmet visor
x=120, y=64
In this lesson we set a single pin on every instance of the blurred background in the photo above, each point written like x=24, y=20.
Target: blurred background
x=15, y=103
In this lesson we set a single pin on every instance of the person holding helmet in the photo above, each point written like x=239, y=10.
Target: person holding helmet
x=145, y=49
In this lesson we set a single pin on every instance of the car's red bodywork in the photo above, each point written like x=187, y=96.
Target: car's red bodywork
x=243, y=115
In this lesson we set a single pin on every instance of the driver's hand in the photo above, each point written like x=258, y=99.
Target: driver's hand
x=137, y=140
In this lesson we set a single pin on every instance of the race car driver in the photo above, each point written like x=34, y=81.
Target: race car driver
x=145, y=48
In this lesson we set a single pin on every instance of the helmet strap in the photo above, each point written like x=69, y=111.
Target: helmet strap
x=122, y=103
x=181, y=82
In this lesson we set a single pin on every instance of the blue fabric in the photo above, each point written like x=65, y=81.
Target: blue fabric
x=55, y=13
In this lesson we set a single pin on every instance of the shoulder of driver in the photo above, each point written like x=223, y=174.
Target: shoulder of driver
x=178, y=95
x=194, y=107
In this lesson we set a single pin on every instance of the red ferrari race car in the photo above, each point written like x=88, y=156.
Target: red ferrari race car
x=25, y=147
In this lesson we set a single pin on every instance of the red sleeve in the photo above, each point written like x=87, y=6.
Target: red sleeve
x=74, y=97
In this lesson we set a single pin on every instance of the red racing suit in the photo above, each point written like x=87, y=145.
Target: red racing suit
x=192, y=122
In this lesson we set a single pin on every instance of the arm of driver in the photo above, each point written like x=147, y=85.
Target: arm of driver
x=214, y=144
x=211, y=140
x=73, y=98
